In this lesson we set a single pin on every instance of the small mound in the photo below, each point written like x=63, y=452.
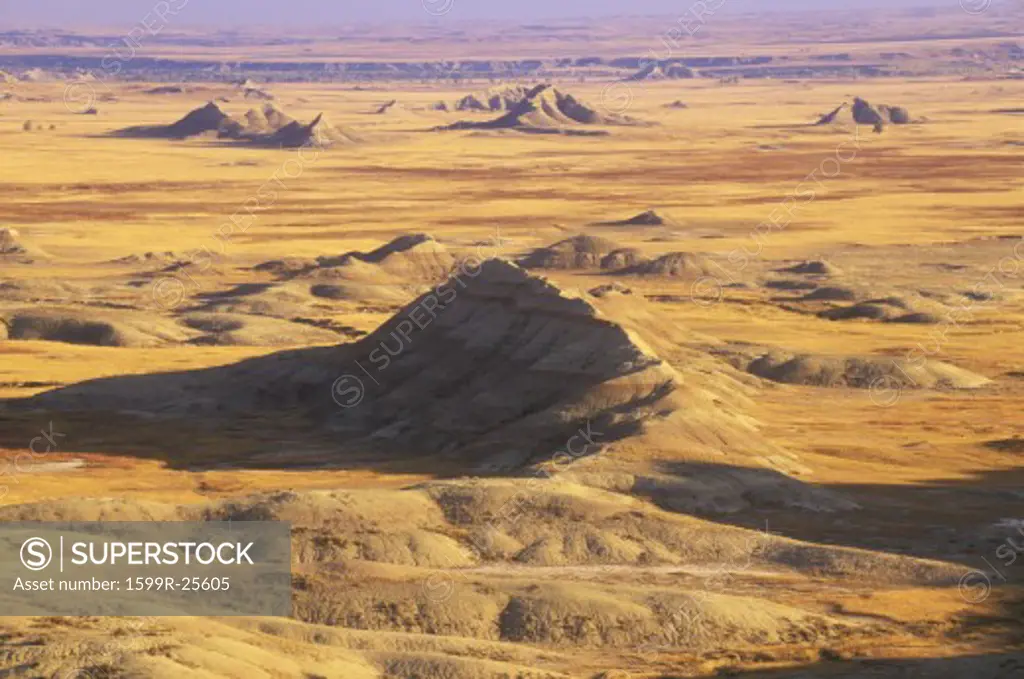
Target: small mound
x=394, y=108
x=387, y=274
x=320, y=133
x=578, y=252
x=648, y=218
x=351, y=268
x=9, y=243
x=1011, y=445
x=258, y=299
x=862, y=310
x=883, y=309
x=677, y=104
x=257, y=93
x=161, y=259
x=816, y=267
x=674, y=264
x=286, y=267
x=259, y=121
x=860, y=113
x=213, y=323
x=917, y=317
x=610, y=290
x=622, y=258
x=263, y=331
x=360, y=291
x=865, y=114
x=832, y=116
x=678, y=71
x=981, y=295
x=494, y=100
x=76, y=327
x=831, y=294
x=790, y=285
x=663, y=71
x=329, y=291
x=208, y=119
x=891, y=301
x=545, y=109
x=897, y=115
x=39, y=75
x=403, y=244
x=165, y=89
x=39, y=291
x=15, y=250
x=862, y=372
x=411, y=257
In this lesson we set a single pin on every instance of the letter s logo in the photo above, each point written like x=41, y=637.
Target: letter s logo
x=36, y=554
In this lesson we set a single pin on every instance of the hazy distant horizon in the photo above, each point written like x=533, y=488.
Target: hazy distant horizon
x=324, y=13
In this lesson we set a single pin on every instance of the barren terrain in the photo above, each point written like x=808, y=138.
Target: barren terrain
x=792, y=354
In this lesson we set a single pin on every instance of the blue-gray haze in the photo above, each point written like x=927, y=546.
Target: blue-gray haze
x=322, y=13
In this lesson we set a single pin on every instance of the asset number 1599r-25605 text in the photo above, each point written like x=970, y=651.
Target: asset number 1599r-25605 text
x=178, y=584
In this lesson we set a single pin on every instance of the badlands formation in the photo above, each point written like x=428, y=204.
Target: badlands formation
x=562, y=362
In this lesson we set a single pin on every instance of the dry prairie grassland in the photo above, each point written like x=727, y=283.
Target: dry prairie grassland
x=849, y=375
